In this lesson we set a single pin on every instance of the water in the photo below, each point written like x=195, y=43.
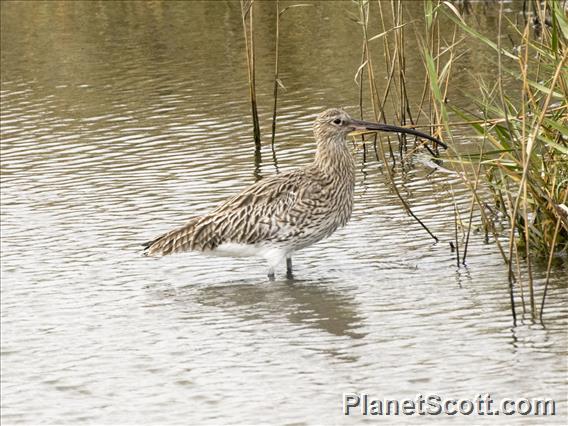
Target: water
x=122, y=120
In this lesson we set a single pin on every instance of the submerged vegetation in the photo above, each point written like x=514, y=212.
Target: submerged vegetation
x=519, y=168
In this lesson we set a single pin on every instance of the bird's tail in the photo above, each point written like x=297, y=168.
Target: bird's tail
x=175, y=241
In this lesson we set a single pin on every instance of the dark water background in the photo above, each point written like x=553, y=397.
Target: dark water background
x=123, y=119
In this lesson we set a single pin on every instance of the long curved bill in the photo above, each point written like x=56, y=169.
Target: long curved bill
x=370, y=126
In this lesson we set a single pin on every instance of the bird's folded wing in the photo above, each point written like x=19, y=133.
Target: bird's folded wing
x=268, y=211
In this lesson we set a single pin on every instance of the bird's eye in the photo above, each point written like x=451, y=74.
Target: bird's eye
x=337, y=121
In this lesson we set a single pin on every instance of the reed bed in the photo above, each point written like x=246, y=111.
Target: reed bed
x=522, y=158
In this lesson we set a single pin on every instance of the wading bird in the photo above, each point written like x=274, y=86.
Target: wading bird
x=281, y=214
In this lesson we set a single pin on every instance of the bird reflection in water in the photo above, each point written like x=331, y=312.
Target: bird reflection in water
x=307, y=304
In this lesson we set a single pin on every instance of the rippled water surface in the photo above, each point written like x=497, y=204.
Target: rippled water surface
x=122, y=120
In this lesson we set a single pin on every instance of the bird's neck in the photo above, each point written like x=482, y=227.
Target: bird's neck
x=333, y=156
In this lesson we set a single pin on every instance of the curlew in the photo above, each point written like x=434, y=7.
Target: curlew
x=283, y=213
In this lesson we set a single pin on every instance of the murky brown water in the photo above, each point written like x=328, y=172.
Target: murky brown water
x=121, y=120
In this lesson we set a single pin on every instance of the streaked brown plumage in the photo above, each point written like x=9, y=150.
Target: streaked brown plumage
x=281, y=214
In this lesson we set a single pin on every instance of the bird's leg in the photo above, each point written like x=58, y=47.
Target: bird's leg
x=289, y=267
x=271, y=274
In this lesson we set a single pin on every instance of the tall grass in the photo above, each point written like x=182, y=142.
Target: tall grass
x=395, y=61
x=524, y=161
x=522, y=158
x=277, y=82
x=247, y=8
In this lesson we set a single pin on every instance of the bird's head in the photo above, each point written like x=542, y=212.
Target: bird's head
x=333, y=123
x=336, y=124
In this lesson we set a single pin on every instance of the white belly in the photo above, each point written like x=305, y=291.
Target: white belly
x=273, y=255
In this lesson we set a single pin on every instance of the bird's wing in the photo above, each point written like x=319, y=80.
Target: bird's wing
x=268, y=210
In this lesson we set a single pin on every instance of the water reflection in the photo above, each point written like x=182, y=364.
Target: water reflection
x=313, y=304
